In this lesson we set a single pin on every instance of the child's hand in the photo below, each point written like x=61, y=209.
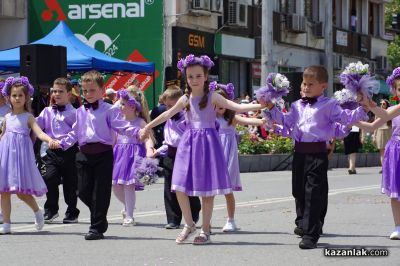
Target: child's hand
x=54, y=144
x=269, y=105
x=364, y=101
x=151, y=152
x=143, y=134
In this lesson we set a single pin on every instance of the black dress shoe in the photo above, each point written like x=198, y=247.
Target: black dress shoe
x=172, y=226
x=94, y=236
x=49, y=216
x=352, y=172
x=298, y=231
x=307, y=244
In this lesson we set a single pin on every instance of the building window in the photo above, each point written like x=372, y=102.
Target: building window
x=236, y=72
x=337, y=13
x=311, y=9
x=374, y=19
x=287, y=6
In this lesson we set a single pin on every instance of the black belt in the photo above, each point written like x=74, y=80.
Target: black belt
x=310, y=147
x=95, y=147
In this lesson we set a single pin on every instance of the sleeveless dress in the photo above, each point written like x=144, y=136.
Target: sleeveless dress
x=18, y=170
x=126, y=153
x=227, y=134
x=391, y=162
x=200, y=168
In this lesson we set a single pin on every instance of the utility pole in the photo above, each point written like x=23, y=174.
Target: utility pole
x=329, y=45
x=267, y=64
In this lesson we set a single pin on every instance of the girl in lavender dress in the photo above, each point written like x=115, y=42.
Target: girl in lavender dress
x=227, y=120
x=391, y=161
x=4, y=109
x=200, y=168
x=19, y=174
x=128, y=151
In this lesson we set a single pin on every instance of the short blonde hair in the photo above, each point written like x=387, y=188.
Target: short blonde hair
x=93, y=76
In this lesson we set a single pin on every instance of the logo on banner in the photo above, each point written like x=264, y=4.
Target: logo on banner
x=95, y=11
x=53, y=6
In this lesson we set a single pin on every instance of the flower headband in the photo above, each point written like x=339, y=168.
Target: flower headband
x=10, y=81
x=228, y=88
x=191, y=60
x=277, y=87
x=391, y=78
x=132, y=102
x=356, y=77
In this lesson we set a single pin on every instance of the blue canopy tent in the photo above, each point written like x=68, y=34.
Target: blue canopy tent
x=80, y=57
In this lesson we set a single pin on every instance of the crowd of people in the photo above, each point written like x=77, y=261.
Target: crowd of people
x=95, y=144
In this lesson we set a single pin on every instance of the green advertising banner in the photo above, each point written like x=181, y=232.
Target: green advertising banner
x=131, y=30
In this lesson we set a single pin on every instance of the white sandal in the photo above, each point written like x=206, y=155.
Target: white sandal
x=185, y=234
x=202, y=239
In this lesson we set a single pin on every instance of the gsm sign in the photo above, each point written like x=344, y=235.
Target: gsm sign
x=196, y=41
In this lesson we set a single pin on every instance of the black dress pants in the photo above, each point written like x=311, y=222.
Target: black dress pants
x=94, y=186
x=59, y=165
x=172, y=209
x=310, y=190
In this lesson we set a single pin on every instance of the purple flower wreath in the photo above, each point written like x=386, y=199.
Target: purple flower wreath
x=356, y=78
x=277, y=87
x=191, y=60
x=131, y=101
x=228, y=88
x=10, y=81
x=391, y=78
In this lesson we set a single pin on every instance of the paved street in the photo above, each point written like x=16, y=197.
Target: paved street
x=358, y=216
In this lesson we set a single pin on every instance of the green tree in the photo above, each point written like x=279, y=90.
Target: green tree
x=393, y=7
x=393, y=52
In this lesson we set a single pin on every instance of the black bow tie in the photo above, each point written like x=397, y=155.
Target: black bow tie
x=310, y=100
x=94, y=105
x=60, y=108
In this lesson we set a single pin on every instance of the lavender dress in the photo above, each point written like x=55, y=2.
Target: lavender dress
x=18, y=170
x=126, y=152
x=200, y=168
x=391, y=162
x=227, y=133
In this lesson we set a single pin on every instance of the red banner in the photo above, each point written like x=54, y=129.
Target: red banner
x=123, y=80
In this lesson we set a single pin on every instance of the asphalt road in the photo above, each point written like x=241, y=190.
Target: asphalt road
x=359, y=216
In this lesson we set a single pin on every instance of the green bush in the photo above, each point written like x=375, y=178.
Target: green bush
x=367, y=147
x=251, y=144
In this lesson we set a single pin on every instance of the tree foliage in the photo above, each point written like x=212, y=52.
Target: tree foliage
x=393, y=7
x=393, y=51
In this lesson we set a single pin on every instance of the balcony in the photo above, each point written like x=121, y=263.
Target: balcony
x=351, y=43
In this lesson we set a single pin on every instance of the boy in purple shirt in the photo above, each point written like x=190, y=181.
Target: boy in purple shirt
x=311, y=120
x=57, y=121
x=94, y=129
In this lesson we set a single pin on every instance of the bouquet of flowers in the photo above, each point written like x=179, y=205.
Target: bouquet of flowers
x=356, y=78
x=277, y=87
x=347, y=99
x=146, y=170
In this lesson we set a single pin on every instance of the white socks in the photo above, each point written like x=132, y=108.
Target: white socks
x=39, y=219
x=397, y=229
